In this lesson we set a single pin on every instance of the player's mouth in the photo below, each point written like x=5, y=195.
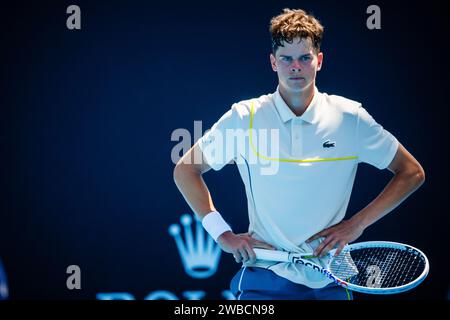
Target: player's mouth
x=296, y=78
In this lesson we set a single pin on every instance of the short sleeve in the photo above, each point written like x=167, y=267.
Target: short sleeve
x=218, y=144
x=376, y=145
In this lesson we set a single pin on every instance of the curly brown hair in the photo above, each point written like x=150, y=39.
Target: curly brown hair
x=295, y=24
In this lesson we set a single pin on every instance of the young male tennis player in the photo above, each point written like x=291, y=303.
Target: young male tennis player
x=318, y=141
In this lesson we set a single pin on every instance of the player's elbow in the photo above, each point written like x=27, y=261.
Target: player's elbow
x=179, y=172
x=417, y=174
x=183, y=171
x=420, y=175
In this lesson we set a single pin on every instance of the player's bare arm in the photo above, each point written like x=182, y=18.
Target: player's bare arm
x=188, y=178
x=408, y=177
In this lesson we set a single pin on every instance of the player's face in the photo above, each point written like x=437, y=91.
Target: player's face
x=296, y=64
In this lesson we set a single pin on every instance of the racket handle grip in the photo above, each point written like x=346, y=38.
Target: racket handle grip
x=271, y=255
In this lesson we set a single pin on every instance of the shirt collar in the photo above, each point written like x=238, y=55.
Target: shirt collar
x=286, y=113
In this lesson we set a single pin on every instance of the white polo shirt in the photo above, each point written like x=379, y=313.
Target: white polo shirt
x=298, y=172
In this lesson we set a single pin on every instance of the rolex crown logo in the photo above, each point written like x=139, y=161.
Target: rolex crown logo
x=200, y=254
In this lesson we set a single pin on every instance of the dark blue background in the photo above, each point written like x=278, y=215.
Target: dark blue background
x=86, y=120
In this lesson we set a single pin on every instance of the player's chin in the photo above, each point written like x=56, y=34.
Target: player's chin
x=297, y=87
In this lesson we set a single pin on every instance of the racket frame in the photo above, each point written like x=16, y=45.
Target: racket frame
x=303, y=259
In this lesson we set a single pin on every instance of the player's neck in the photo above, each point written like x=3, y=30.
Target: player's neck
x=298, y=102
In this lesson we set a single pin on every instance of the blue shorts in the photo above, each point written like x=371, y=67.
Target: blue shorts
x=252, y=283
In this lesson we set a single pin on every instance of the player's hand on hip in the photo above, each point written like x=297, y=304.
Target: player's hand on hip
x=338, y=236
x=241, y=246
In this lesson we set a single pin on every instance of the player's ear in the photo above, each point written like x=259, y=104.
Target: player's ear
x=273, y=62
x=319, y=60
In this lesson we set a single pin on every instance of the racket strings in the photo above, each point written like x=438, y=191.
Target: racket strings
x=343, y=266
x=378, y=267
x=412, y=265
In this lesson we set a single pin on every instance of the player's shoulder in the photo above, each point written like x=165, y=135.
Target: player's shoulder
x=341, y=104
x=245, y=107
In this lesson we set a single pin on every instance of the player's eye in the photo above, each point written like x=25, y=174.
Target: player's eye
x=305, y=58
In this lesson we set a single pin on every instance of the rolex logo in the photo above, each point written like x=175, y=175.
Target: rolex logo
x=200, y=254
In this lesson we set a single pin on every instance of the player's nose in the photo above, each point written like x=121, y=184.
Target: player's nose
x=295, y=66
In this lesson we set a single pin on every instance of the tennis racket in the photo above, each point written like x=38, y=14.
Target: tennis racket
x=374, y=267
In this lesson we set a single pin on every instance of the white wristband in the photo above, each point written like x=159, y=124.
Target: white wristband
x=215, y=225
